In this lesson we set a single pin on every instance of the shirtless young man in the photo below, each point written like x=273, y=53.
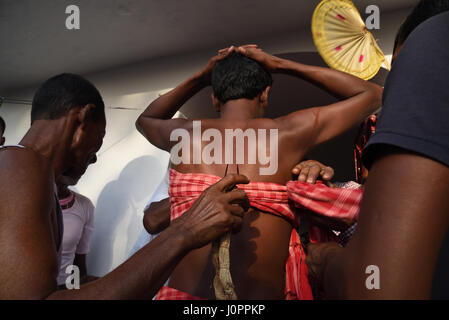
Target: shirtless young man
x=68, y=125
x=241, y=82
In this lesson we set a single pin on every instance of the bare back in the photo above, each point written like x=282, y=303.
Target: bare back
x=258, y=270
x=259, y=252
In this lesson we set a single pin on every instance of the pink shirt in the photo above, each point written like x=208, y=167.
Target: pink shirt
x=78, y=229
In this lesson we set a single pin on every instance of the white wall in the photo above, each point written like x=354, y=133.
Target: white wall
x=128, y=168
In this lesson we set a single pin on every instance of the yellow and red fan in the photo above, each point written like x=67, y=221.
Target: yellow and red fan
x=343, y=40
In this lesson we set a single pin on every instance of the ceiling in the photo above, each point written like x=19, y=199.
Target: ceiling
x=113, y=33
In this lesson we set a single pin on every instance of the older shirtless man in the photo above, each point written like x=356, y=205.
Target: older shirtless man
x=68, y=125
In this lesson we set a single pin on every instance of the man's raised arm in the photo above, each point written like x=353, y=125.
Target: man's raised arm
x=156, y=123
x=359, y=98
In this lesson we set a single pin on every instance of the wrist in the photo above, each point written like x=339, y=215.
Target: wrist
x=289, y=67
x=284, y=65
x=183, y=235
x=202, y=79
x=281, y=65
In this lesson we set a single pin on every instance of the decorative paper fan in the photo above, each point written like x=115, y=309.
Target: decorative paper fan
x=343, y=40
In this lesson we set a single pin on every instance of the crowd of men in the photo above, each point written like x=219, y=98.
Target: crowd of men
x=401, y=223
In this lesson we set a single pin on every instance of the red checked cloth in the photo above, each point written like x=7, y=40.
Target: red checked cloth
x=329, y=202
x=268, y=197
x=343, y=203
x=167, y=293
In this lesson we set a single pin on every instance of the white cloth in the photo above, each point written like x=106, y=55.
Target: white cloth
x=78, y=229
x=160, y=194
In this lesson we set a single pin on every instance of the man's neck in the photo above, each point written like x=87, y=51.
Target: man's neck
x=240, y=110
x=50, y=139
x=63, y=191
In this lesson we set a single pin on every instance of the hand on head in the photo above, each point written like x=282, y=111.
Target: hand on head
x=268, y=61
x=218, y=210
x=239, y=49
x=206, y=73
x=252, y=51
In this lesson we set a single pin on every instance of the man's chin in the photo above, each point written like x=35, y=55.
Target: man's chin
x=70, y=180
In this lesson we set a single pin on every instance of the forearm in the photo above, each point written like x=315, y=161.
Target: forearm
x=141, y=276
x=339, y=84
x=168, y=104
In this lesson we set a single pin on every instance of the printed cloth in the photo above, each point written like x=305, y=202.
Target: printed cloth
x=167, y=293
x=337, y=203
x=268, y=197
x=343, y=203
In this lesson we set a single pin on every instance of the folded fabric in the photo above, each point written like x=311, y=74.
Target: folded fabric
x=267, y=197
x=167, y=293
x=343, y=203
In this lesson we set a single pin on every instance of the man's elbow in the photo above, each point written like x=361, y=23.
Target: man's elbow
x=149, y=225
x=157, y=217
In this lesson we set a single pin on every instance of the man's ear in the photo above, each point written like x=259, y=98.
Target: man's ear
x=216, y=103
x=2, y=141
x=264, y=97
x=86, y=113
x=81, y=118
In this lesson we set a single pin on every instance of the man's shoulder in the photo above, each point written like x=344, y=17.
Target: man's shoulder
x=23, y=162
x=26, y=177
x=435, y=27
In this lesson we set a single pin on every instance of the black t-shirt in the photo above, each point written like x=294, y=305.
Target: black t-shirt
x=415, y=114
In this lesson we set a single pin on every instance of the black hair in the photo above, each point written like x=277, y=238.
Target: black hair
x=59, y=94
x=424, y=10
x=2, y=125
x=238, y=77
